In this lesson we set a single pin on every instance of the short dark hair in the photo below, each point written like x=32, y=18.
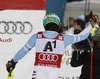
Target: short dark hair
x=81, y=23
x=52, y=27
x=71, y=18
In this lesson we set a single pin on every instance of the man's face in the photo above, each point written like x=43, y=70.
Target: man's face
x=98, y=44
x=77, y=26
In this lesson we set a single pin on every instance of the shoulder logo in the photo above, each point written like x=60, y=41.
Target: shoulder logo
x=60, y=37
x=39, y=35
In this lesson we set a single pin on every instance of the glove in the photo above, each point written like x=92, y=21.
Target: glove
x=10, y=64
x=94, y=19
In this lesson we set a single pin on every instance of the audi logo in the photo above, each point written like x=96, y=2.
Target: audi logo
x=48, y=57
x=18, y=27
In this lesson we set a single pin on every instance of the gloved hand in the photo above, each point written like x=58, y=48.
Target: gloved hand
x=94, y=19
x=10, y=64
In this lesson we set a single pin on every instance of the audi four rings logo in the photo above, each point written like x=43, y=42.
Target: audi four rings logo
x=48, y=57
x=18, y=27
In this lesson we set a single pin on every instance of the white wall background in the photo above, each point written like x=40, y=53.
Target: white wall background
x=24, y=67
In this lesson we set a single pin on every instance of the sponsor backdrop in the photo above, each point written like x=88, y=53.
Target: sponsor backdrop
x=16, y=27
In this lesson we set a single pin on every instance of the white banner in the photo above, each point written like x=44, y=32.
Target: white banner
x=16, y=27
x=68, y=72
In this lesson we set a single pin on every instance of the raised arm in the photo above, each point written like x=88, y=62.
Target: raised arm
x=69, y=39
